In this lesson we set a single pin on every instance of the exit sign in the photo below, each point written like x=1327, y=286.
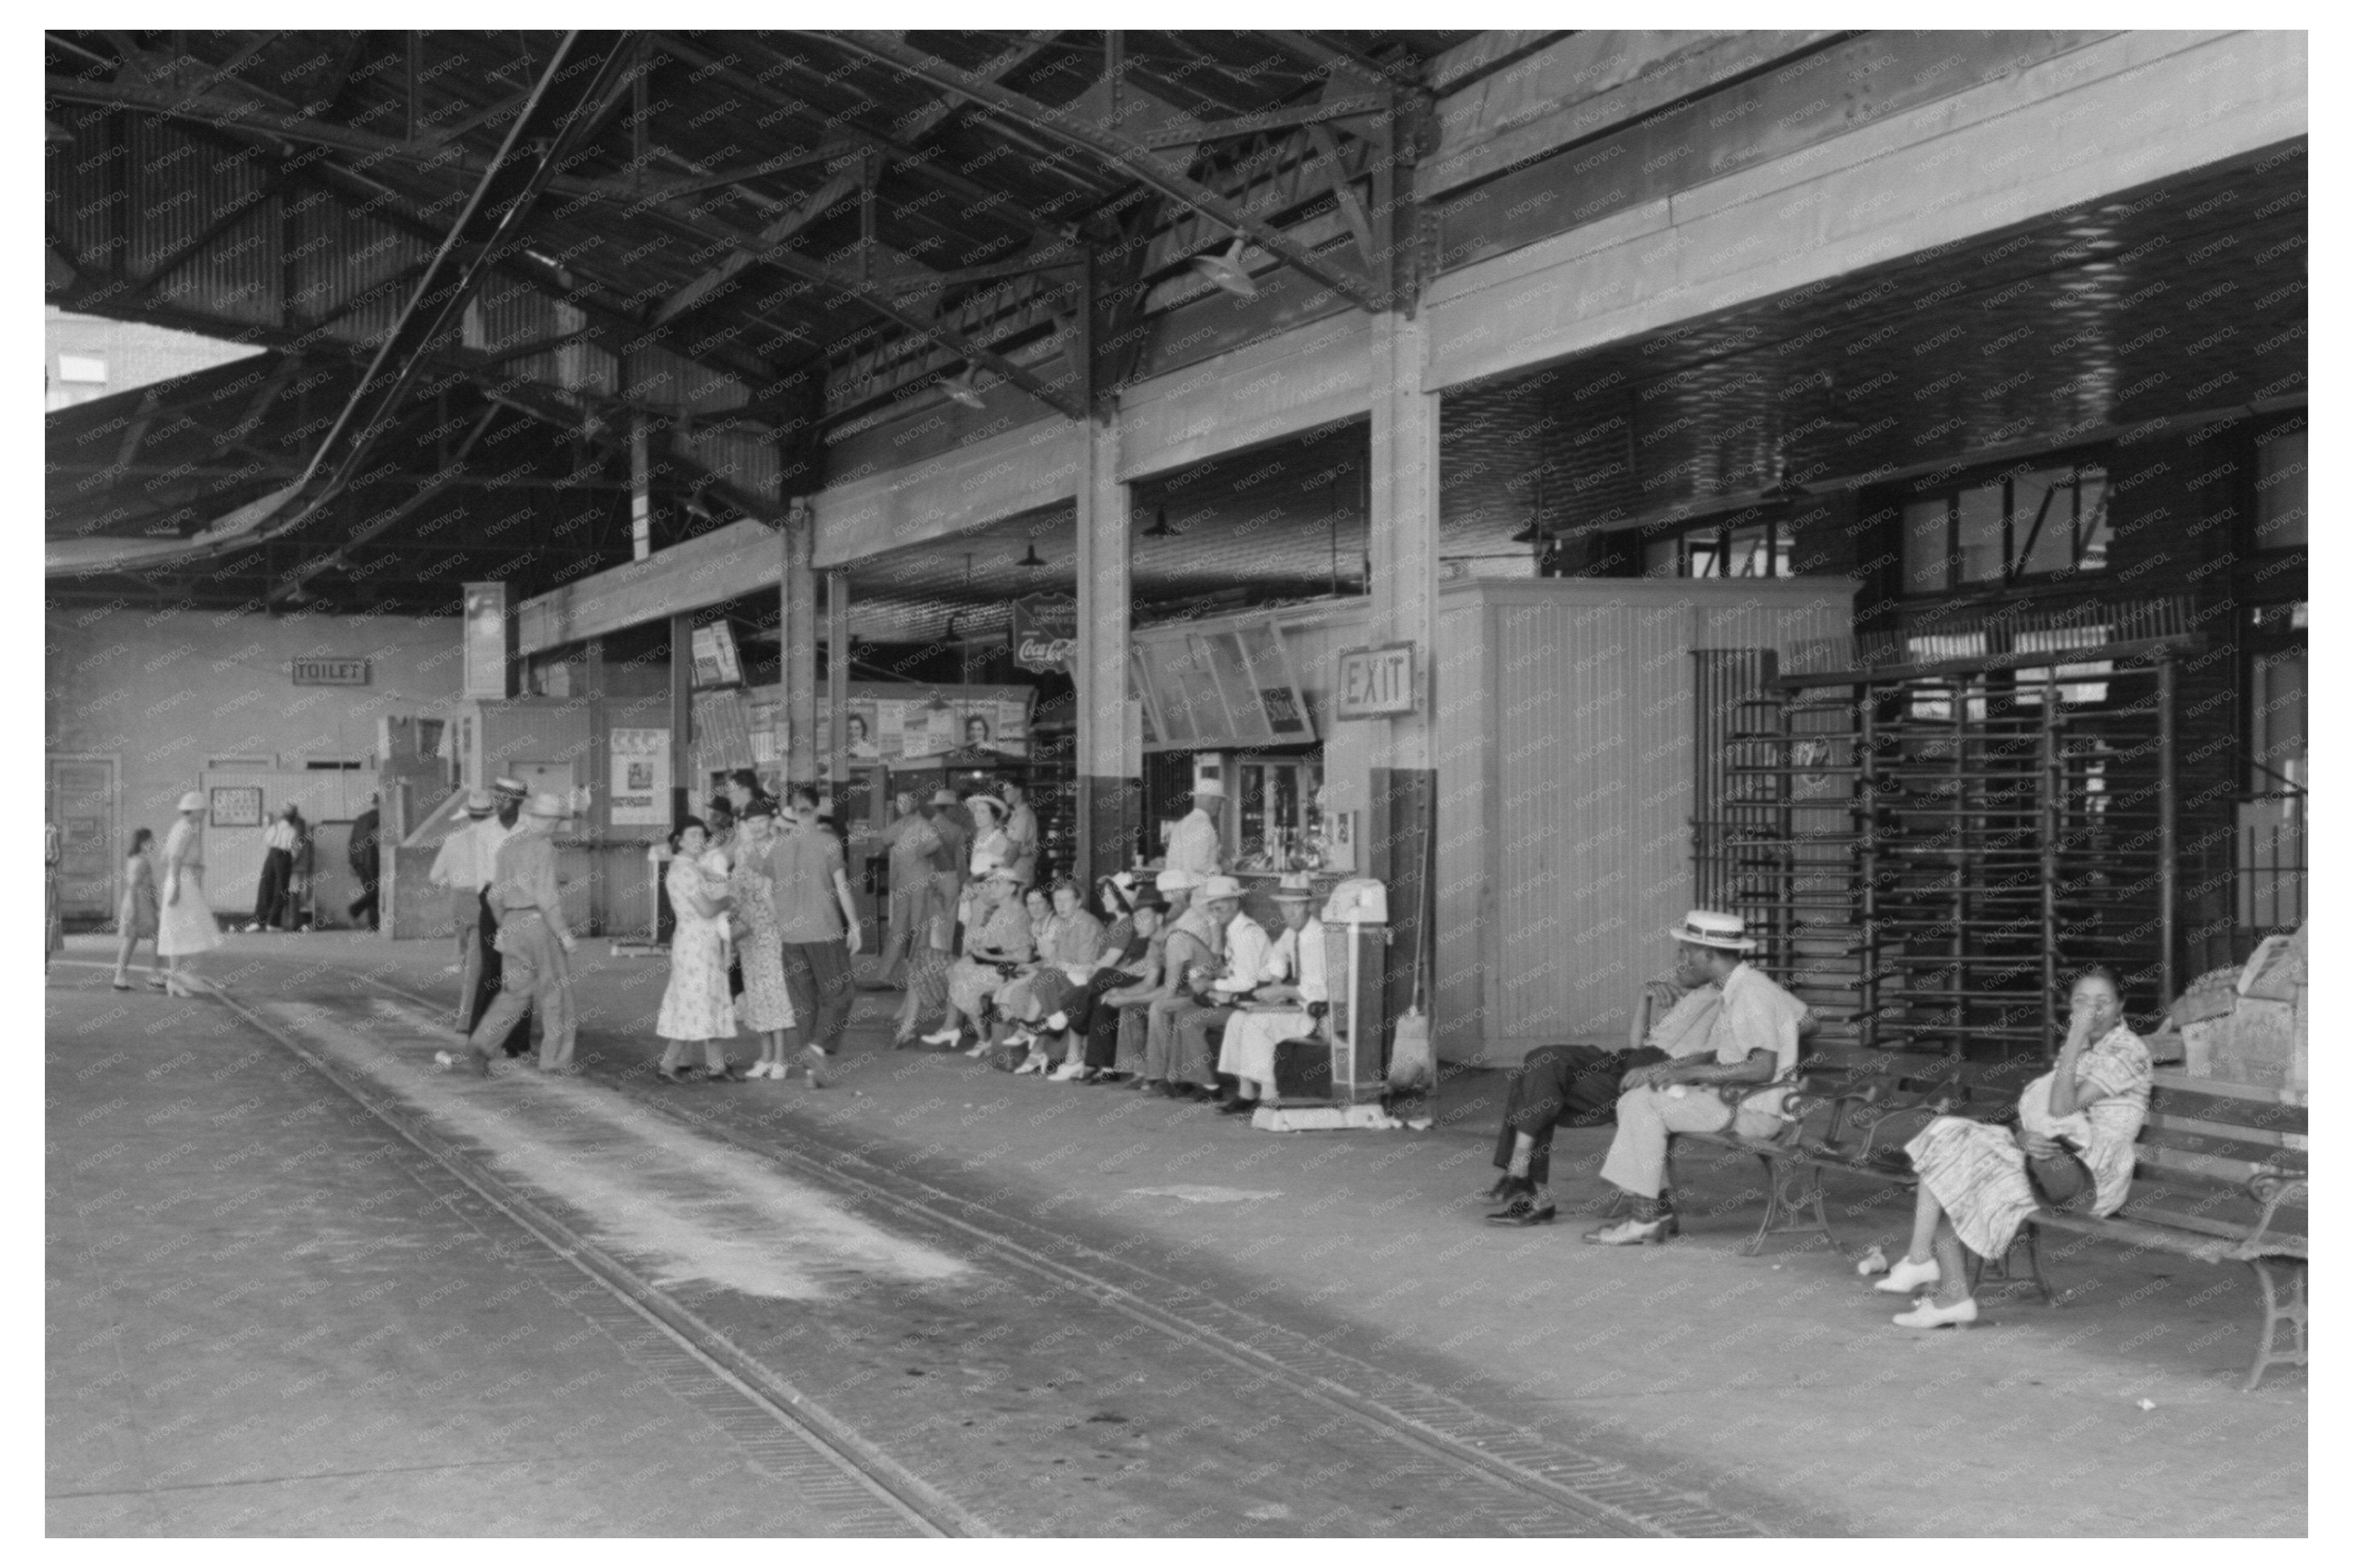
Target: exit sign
x=1374, y=682
x=331, y=672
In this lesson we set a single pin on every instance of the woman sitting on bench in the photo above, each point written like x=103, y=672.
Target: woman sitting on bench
x=2073, y=1149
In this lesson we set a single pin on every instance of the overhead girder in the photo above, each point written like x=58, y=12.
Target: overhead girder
x=1136, y=159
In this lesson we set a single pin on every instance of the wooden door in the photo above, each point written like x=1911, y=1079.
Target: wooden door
x=82, y=799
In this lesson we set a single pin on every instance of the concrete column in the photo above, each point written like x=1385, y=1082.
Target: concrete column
x=1110, y=773
x=837, y=677
x=681, y=717
x=1403, y=541
x=798, y=627
x=1402, y=789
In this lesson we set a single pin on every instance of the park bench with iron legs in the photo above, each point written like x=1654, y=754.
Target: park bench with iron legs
x=2220, y=1175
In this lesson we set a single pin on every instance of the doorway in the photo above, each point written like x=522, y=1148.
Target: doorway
x=82, y=798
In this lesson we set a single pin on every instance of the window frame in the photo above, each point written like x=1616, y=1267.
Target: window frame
x=2015, y=548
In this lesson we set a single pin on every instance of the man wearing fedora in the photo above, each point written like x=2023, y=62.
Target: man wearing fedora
x=1753, y=1040
x=534, y=944
x=1196, y=845
x=463, y=865
x=1286, y=1002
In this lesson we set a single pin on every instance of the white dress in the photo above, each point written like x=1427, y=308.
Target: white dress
x=695, y=1005
x=186, y=927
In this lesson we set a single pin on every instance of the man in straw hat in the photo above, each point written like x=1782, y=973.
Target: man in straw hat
x=1195, y=843
x=1753, y=1040
x=507, y=796
x=1286, y=1002
x=1578, y=1085
x=1195, y=960
x=534, y=944
x=463, y=865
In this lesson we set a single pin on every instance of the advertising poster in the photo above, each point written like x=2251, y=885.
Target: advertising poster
x=486, y=640
x=640, y=778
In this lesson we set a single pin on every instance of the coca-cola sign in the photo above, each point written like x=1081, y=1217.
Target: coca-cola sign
x=1045, y=631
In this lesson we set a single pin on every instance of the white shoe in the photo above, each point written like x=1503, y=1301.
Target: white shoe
x=761, y=1070
x=1909, y=1278
x=1068, y=1072
x=1035, y=1062
x=1929, y=1315
x=944, y=1036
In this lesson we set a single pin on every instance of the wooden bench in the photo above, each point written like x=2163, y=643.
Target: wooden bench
x=2221, y=1177
x=2221, y=1173
x=1852, y=1112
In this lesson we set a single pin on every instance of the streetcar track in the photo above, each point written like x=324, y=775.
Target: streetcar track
x=630, y=1301
x=1599, y=1494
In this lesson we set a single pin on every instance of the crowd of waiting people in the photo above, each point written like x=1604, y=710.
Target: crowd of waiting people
x=1159, y=981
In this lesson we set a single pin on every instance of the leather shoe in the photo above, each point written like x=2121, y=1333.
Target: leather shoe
x=1908, y=1278
x=1523, y=1210
x=1238, y=1108
x=1929, y=1315
x=1630, y=1233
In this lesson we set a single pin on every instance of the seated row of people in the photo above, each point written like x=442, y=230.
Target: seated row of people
x=1172, y=988
x=1722, y=1025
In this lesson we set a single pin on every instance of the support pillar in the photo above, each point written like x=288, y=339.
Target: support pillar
x=681, y=717
x=797, y=627
x=837, y=680
x=1402, y=791
x=1110, y=765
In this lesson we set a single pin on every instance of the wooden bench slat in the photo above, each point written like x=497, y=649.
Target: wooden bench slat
x=2196, y=1127
x=2215, y=1167
x=2133, y=1233
x=2185, y=1083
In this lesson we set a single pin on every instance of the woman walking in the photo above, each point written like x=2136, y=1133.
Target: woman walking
x=695, y=1006
x=2073, y=1149
x=53, y=928
x=184, y=927
x=766, y=1006
x=137, y=919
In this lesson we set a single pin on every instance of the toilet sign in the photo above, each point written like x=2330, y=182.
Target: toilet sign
x=1374, y=682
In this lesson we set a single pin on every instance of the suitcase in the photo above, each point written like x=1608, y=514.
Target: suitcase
x=1303, y=1069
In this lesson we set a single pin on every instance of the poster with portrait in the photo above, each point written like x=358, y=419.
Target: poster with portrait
x=640, y=761
x=862, y=736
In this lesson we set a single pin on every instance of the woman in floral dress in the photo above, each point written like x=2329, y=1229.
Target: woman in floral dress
x=2073, y=1149
x=764, y=1007
x=695, y=1006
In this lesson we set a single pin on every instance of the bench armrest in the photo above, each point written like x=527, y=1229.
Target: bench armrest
x=2272, y=1189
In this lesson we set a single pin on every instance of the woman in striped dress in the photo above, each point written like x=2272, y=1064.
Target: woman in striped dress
x=2073, y=1149
x=137, y=917
x=765, y=1007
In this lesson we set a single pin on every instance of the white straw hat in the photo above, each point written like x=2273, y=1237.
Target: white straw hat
x=1713, y=928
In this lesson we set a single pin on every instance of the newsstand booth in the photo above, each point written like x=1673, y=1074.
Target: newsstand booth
x=1567, y=742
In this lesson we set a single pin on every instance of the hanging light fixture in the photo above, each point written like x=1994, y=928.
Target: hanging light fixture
x=1225, y=271
x=1029, y=559
x=1534, y=533
x=964, y=388
x=1783, y=488
x=1160, y=529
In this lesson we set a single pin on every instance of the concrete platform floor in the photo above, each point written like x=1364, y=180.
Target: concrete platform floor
x=1773, y=1388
